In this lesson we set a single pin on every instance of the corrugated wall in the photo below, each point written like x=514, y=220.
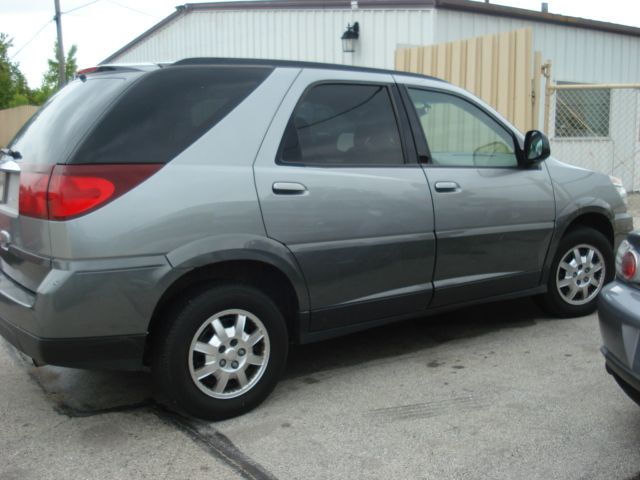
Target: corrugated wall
x=312, y=35
x=577, y=54
x=497, y=68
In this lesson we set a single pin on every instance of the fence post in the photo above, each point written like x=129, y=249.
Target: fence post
x=546, y=71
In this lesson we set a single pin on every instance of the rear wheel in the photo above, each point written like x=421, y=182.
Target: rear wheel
x=221, y=352
x=582, y=266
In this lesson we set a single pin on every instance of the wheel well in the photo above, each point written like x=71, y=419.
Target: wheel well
x=596, y=221
x=262, y=276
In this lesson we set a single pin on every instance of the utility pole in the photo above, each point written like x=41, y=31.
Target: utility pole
x=62, y=78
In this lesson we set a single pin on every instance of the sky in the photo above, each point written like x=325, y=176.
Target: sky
x=100, y=27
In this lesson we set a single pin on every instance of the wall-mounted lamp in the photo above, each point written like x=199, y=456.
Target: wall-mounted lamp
x=349, y=37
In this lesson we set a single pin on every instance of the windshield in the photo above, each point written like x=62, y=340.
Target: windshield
x=55, y=130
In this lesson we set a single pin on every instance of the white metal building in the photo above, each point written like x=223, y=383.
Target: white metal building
x=581, y=50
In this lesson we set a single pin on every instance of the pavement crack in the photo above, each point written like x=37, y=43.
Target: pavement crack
x=216, y=444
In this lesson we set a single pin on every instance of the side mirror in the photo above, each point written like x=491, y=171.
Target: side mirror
x=536, y=147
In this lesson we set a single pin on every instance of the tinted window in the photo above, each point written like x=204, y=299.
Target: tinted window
x=55, y=130
x=460, y=134
x=166, y=112
x=343, y=124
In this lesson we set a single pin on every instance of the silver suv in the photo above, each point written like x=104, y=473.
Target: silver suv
x=198, y=217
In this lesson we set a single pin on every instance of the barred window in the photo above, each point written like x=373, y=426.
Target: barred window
x=582, y=113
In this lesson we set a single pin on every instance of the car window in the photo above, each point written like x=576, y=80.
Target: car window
x=56, y=129
x=343, y=124
x=165, y=112
x=460, y=134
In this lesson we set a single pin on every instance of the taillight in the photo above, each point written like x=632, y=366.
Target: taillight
x=629, y=266
x=627, y=262
x=68, y=191
x=32, y=197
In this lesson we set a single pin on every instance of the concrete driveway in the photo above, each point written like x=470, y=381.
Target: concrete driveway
x=498, y=391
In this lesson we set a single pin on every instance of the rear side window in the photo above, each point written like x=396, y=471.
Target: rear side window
x=167, y=111
x=344, y=124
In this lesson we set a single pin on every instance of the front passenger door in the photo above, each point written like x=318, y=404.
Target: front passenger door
x=493, y=218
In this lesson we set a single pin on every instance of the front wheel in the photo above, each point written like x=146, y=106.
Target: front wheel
x=583, y=264
x=221, y=352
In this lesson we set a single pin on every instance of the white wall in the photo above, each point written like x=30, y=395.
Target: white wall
x=311, y=35
x=577, y=54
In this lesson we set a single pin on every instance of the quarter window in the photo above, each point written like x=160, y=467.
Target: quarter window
x=166, y=111
x=459, y=134
x=343, y=124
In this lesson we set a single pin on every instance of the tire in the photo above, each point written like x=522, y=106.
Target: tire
x=631, y=392
x=220, y=353
x=582, y=265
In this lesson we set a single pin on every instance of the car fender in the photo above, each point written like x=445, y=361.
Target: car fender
x=572, y=210
x=221, y=248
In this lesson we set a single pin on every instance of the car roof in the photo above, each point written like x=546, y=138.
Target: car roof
x=293, y=64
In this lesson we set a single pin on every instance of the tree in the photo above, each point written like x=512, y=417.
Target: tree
x=50, y=79
x=13, y=85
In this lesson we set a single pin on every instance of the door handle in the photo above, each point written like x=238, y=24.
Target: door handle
x=447, y=187
x=289, y=188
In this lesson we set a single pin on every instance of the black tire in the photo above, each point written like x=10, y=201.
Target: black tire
x=631, y=392
x=173, y=357
x=555, y=301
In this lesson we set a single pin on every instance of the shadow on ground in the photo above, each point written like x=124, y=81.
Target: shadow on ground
x=82, y=392
x=410, y=336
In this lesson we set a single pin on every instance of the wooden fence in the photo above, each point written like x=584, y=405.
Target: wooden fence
x=12, y=119
x=498, y=68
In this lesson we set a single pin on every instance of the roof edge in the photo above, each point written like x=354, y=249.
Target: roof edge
x=536, y=16
x=180, y=10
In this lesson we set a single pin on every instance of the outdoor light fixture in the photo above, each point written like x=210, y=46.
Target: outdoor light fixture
x=349, y=37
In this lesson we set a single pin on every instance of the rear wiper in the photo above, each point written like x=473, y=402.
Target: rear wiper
x=12, y=153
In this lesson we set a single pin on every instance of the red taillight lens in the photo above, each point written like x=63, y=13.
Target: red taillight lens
x=73, y=190
x=32, y=198
x=71, y=195
x=629, y=266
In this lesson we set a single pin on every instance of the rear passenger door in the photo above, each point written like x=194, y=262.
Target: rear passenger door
x=493, y=217
x=340, y=186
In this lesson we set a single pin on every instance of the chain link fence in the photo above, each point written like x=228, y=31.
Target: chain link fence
x=596, y=127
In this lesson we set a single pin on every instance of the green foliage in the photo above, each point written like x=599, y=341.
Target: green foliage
x=14, y=90
x=13, y=86
x=50, y=78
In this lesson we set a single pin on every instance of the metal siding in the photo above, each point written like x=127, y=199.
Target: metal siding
x=577, y=54
x=312, y=35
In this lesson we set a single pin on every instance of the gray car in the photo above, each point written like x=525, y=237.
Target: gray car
x=619, y=314
x=198, y=217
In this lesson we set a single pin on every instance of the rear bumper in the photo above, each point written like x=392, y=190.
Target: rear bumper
x=619, y=316
x=123, y=352
x=86, y=314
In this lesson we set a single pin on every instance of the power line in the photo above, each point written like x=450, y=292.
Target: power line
x=81, y=6
x=132, y=9
x=31, y=39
